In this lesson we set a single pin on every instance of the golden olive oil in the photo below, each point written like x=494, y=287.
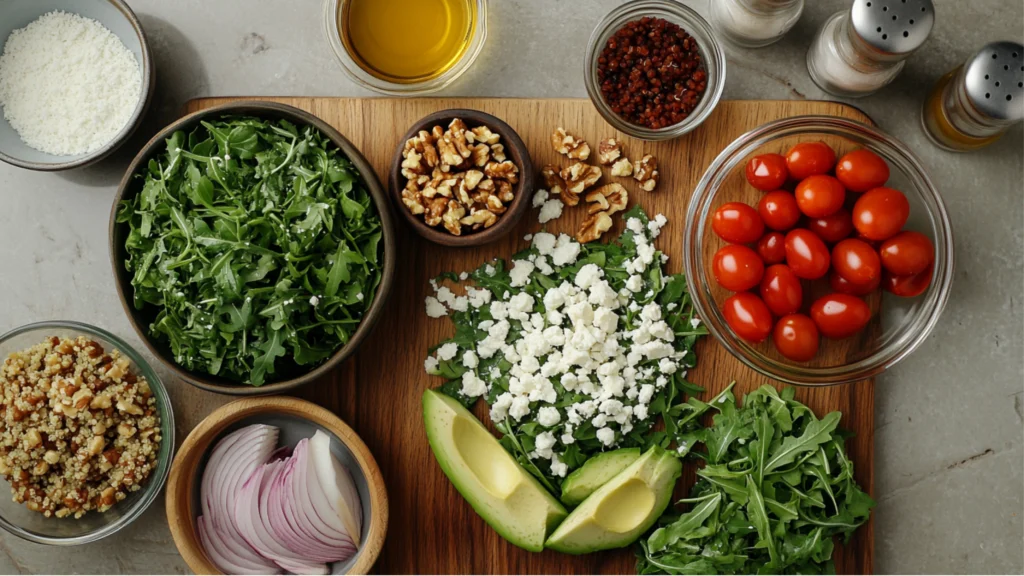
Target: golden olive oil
x=407, y=41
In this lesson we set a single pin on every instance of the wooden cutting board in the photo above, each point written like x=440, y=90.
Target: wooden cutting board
x=378, y=391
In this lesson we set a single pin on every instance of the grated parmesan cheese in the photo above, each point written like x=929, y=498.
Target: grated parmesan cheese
x=68, y=85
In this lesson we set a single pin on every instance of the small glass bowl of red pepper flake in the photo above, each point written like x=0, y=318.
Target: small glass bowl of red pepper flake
x=654, y=69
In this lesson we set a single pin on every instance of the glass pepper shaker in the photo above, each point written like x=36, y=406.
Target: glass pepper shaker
x=754, y=23
x=859, y=51
x=973, y=105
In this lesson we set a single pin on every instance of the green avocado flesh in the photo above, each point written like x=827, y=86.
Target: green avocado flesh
x=595, y=473
x=504, y=494
x=618, y=512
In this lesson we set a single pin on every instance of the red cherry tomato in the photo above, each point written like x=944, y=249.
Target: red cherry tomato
x=880, y=213
x=820, y=195
x=772, y=248
x=862, y=170
x=857, y=262
x=806, y=254
x=767, y=172
x=843, y=286
x=907, y=253
x=737, y=223
x=840, y=315
x=748, y=317
x=832, y=228
x=810, y=158
x=781, y=290
x=909, y=286
x=738, y=268
x=779, y=210
x=796, y=337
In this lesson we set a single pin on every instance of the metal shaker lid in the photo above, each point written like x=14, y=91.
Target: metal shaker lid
x=995, y=81
x=893, y=26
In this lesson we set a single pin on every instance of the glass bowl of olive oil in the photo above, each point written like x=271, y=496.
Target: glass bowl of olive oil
x=405, y=47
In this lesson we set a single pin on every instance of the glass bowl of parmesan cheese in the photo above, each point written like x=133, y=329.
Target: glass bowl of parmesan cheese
x=76, y=77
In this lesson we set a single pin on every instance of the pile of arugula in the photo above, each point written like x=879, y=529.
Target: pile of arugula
x=776, y=488
x=519, y=437
x=256, y=247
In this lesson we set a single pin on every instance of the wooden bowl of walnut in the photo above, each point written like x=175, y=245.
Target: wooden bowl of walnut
x=462, y=178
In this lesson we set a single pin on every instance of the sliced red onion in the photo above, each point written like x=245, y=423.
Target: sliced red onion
x=262, y=514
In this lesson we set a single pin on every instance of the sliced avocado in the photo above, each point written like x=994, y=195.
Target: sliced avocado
x=616, y=514
x=595, y=473
x=501, y=491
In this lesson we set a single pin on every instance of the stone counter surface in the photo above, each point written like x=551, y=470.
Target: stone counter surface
x=949, y=451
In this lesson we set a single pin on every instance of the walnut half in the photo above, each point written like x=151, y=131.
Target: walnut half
x=608, y=151
x=593, y=227
x=579, y=176
x=610, y=198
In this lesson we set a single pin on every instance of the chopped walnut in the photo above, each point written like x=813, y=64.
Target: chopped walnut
x=579, y=176
x=645, y=171
x=593, y=227
x=480, y=218
x=569, y=145
x=454, y=212
x=623, y=168
x=553, y=181
x=610, y=198
x=608, y=151
x=457, y=171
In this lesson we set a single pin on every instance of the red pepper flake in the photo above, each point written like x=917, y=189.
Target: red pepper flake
x=650, y=73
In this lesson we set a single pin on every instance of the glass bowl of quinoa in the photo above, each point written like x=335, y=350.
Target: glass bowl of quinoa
x=86, y=433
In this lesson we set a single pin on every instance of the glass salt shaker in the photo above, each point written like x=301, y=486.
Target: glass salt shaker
x=973, y=105
x=859, y=51
x=754, y=23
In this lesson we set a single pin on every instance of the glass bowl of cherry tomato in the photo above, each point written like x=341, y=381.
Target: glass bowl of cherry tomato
x=818, y=251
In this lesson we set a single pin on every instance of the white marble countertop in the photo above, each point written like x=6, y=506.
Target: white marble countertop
x=949, y=451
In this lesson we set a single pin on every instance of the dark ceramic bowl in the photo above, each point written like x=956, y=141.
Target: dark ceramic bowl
x=515, y=150
x=141, y=319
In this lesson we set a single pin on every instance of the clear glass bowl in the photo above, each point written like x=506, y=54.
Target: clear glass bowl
x=904, y=323
x=33, y=526
x=689, y=20
x=333, y=10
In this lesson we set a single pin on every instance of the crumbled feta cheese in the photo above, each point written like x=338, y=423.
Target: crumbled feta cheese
x=470, y=359
x=313, y=301
x=447, y=351
x=671, y=306
x=566, y=251
x=667, y=366
x=640, y=412
x=646, y=393
x=587, y=275
x=606, y=436
x=430, y=365
x=463, y=276
x=544, y=242
x=548, y=416
x=695, y=322
x=520, y=272
x=635, y=283
x=490, y=270
x=550, y=210
x=558, y=468
x=499, y=410
x=635, y=226
x=539, y=198
x=472, y=385
x=528, y=237
x=520, y=407
x=543, y=443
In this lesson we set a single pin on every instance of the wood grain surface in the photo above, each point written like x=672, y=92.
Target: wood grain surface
x=378, y=391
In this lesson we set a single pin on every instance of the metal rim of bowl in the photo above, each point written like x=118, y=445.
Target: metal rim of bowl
x=156, y=480
x=360, y=76
x=375, y=189
x=696, y=26
x=148, y=85
x=514, y=147
x=697, y=218
x=182, y=481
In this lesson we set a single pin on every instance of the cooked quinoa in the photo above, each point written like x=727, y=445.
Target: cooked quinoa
x=78, y=429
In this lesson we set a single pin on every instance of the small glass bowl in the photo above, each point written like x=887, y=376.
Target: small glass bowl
x=93, y=526
x=333, y=10
x=904, y=322
x=689, y=20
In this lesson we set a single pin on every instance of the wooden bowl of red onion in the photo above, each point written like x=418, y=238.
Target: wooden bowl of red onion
x=272, y=485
